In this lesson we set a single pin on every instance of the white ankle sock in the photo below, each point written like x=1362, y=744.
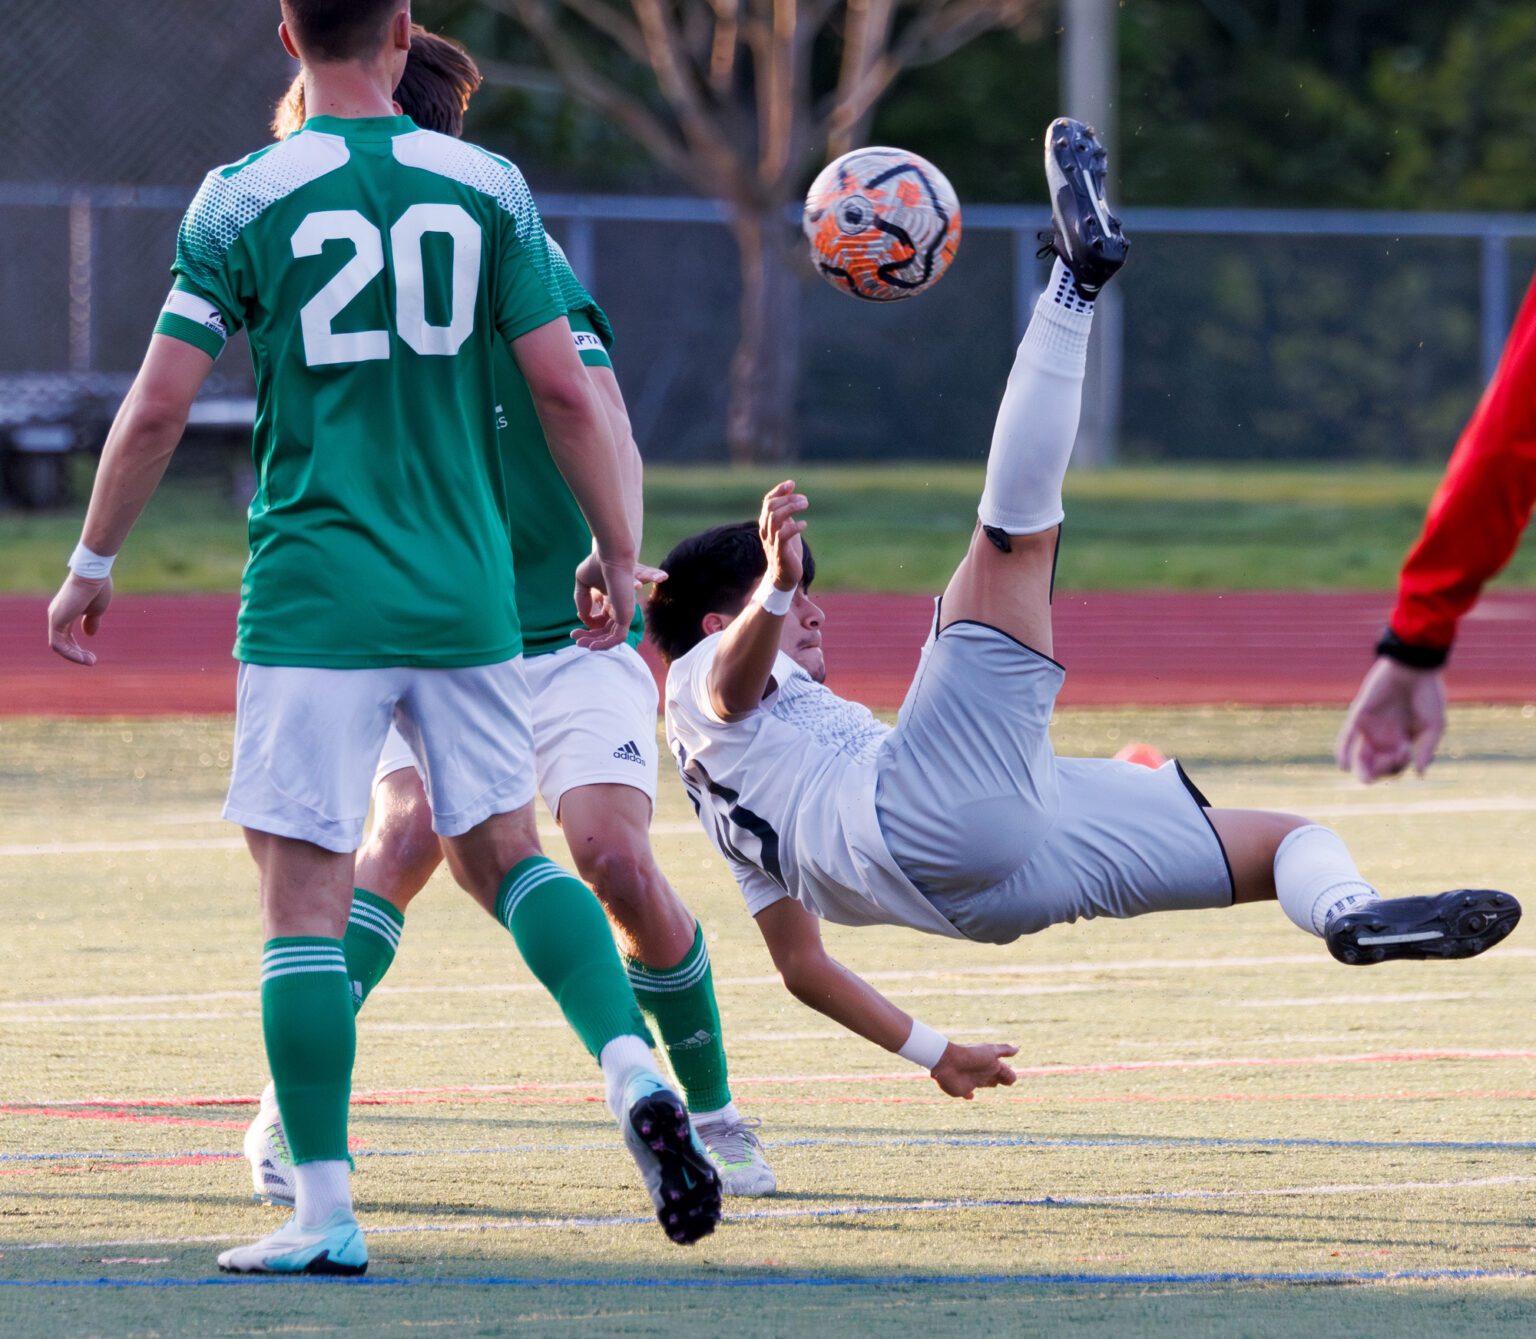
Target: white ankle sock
x=320, y=1189
x=1316, y=878
x=727, y=1113
x=1037, y=421
x=621, y=1060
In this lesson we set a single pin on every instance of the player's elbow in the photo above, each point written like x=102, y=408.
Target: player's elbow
x=563, y=397
x=154, y=414
x=802, y=976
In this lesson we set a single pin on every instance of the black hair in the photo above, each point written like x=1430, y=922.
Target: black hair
x=713, y=572
x=333, y=30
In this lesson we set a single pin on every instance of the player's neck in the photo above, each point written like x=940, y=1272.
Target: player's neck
x=347, y=90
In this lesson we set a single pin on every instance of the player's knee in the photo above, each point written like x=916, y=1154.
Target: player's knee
x=625, y=880
x=401, y=855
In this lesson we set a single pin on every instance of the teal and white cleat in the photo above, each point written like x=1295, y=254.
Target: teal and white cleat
x=266, y=1149
x=335, y=1247
x=737, y=1153
x=683, y=1183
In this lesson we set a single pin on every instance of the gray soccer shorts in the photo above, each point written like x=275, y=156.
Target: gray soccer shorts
x=1004, y=837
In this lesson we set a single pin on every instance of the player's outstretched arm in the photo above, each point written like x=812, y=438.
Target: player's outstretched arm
x=1396, y=719
x=576, y=428
x=143, y=437
x=815, y=978
x=743, y=663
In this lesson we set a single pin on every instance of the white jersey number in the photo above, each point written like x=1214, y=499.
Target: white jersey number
x=323, y=345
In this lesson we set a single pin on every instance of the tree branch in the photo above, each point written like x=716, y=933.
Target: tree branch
x=584, y=81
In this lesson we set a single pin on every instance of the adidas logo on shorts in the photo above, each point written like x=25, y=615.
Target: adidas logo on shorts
x=627, y=752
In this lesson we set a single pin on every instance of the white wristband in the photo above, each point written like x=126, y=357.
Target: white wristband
x=90, y=566
x=774, y=600
x=924, y=1046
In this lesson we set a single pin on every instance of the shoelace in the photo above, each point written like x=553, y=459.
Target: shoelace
x=732, y=1141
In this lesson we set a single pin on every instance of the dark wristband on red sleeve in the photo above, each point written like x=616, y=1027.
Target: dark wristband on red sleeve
x=1406, y=653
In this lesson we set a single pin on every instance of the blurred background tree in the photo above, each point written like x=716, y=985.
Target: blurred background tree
x=741, y=100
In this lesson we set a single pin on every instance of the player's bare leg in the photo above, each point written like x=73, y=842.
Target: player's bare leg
x=607, y=828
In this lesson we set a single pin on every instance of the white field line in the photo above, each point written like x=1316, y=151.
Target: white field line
x=25, y=850
x=1315, y=1001
x=1491, y=804
x=853, y=1209
x=896, y=977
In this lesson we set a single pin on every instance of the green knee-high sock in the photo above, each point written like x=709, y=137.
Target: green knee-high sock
x=564, y=938
x=680, y=1003
x=311, y=1034
x=373, y=935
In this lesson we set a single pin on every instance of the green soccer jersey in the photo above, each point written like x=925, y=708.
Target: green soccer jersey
x=549, y=534
x=380, y=271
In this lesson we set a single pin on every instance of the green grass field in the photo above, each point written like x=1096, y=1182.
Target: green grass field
x=1216, y=1123
x=903, y=527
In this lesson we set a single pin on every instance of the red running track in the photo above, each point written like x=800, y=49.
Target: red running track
x=169, y=654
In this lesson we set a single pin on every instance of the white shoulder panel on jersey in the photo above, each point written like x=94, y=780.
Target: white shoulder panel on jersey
x=471, y=166
x=231, y=198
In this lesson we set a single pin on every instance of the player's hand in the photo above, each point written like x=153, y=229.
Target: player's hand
x=607, y=622
x=780, y=533
x=1396, y=719
x=592, y=589
x=964, y=1069
x=77, y=600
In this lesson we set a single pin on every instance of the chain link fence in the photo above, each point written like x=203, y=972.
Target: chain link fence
x=1346, y=338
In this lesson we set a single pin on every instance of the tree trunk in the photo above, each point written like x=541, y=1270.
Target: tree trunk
x=765, y=371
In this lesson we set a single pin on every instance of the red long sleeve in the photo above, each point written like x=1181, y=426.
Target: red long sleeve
x=1483, y=502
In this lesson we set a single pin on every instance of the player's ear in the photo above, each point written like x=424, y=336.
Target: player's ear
x=400, y=30
x=286, y=38
x=713, y=623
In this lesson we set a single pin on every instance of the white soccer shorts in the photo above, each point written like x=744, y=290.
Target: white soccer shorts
x=594, y=723
x=307, y=741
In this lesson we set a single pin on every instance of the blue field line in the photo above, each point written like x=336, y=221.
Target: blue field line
x=894, y=1141
x=814, y=1280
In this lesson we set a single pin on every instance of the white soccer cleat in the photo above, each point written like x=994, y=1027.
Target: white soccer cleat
x=335, y=1247
x=681, y=1179
x=737, y=1153
x=266, y=1149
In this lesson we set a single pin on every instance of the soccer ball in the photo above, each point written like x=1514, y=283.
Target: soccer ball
x=883, y=224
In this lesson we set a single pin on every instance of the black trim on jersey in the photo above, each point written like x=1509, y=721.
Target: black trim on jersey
x=1204, y=805
x=1023, y=646
x=1406, y=653
x=742, y=817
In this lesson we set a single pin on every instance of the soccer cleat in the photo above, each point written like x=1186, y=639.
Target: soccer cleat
x=684, y=1186
x=335, y=1247
x=1461, y=924
x=1084, y=233
x=266, y=1149
x=737, y=1153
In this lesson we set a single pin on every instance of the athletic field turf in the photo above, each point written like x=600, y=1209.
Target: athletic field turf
x=1213, y=1118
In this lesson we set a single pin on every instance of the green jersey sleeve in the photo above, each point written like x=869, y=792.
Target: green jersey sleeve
x=578, y=300
x=525, y=293
x=203, y=308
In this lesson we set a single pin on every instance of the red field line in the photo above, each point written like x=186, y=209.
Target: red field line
x=169, y=654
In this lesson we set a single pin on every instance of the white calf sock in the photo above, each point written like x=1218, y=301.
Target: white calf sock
x=320, y=1189
x=1037, y=421
x=1316, y=878
x=622, y=1059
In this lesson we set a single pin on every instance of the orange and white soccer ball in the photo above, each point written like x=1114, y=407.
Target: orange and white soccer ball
x=883, y=224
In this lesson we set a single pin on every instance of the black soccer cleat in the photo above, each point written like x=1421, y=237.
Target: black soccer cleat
x=1086, y=236
x=1460, y=924
x=682, y=1181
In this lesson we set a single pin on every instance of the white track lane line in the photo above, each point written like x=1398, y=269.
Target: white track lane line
x=854, y=1209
